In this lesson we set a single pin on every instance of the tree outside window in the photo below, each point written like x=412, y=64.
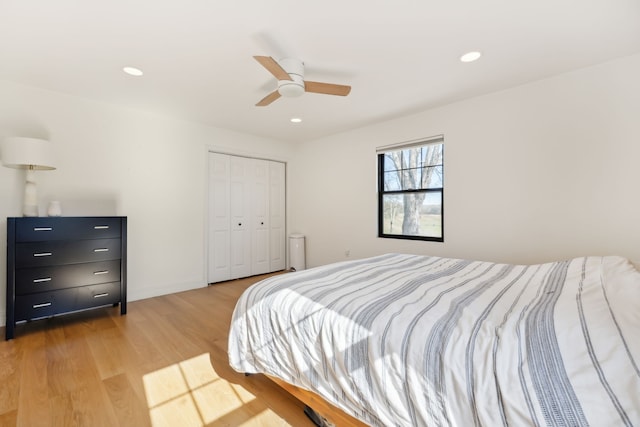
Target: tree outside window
x=410, y=192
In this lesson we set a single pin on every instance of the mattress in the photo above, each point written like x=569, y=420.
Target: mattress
x=408, y=340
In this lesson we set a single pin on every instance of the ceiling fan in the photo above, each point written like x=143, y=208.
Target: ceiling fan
x=291, y=82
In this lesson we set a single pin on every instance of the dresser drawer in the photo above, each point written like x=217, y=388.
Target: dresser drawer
x=59, y=252
x=67, y=228
x=97, y=295
x=43, y=279
x=45, y=304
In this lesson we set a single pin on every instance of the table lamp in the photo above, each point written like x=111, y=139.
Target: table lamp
x=30, y=154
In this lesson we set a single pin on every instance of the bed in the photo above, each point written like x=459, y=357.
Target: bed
x=408, y=340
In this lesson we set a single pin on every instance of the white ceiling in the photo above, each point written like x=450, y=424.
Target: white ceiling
x=399, y=56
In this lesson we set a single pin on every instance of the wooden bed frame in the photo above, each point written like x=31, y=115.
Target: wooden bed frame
x=318, y=404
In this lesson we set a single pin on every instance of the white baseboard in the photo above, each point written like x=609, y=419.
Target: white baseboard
x=150, y=292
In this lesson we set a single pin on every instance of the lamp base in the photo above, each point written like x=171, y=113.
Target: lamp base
x=30, y=206
x=30, y=210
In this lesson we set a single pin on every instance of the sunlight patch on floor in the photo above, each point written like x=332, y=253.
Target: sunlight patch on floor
x=191, y=393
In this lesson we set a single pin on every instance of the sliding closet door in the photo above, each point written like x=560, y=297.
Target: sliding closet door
x=277, y=206
x=240, y=208
x=219, y=220
x=260, y=211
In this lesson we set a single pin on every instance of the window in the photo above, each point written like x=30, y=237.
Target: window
x=410, y=191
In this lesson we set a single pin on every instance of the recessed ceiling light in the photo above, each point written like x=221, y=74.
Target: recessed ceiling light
x=133, y=71
x=296, y=120
x=470, y=56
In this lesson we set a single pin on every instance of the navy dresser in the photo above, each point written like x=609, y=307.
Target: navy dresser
x=57, y=265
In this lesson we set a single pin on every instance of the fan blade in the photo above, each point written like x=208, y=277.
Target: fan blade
x=268, y=99
x=327, y=88
x=273, y=67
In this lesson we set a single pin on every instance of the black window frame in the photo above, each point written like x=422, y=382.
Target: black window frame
x=382, y=192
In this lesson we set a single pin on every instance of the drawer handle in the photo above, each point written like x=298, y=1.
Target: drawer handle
x=101, y=272
x=101, y=250
x=101, y=227
x=42, y=228
x=43, y=254
x=44, y=304
x=44, y=279
x=106, y=294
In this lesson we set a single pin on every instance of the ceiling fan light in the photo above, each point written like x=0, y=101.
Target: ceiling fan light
x=290, y=89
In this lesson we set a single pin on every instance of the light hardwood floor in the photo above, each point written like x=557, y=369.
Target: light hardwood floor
x=162, y=364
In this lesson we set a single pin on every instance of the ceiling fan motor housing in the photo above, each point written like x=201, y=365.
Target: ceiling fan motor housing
x=295, y=69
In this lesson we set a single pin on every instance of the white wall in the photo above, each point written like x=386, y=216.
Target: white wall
x=116, y=161
x=545, y=171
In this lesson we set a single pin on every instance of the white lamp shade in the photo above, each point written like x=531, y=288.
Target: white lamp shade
x=27, y=153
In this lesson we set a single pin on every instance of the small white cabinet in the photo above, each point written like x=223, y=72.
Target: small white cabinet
x=246, y=217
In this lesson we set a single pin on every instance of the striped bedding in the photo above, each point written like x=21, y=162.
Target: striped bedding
x=406, y=340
